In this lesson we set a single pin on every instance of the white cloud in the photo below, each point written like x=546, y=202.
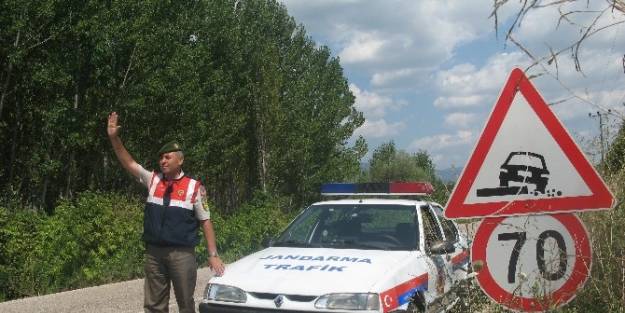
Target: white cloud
x=600, y=87
x=379, y=129
x=540, y=29
x=459, y=101
x=604, y=100
x=394, y=41
x=402, y=76
x=444, y=141
x=460, y=120
x=362, y=47
x=373, y=105
x=399, y=47
x=465, y=79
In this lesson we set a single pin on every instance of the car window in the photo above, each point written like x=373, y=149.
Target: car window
x=525, y=160
x=309, y=220
x=360, y=226
x=449, y=228
x=431, y=230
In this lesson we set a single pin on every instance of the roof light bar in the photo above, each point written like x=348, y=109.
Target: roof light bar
x=377, y=189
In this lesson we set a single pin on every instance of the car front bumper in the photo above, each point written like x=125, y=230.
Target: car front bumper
x=218, y=308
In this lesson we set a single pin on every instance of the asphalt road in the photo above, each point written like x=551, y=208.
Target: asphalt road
x=124, y=297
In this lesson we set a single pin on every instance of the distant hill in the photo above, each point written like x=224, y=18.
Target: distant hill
x=449, y=175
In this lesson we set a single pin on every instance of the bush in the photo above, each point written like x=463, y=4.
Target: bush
x=92, y=240
x=244, y=231
x=18, y=232
x=605, y=290
x=96, y=239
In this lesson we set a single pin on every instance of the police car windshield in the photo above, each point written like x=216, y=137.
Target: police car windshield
x=354, y=226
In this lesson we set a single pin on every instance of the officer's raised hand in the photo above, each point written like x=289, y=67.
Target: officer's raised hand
x=126, y=160
x=113, y=128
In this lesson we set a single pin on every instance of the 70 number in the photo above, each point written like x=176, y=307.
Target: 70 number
x=520, y=238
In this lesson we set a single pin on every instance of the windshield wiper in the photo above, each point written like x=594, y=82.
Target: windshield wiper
x=350, y=244
x=365, y=245
x=291, y=243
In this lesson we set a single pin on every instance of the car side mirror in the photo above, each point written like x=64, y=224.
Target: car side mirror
x=442, y=247
x=268, y=242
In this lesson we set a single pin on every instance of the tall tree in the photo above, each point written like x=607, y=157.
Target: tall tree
x=256, y=103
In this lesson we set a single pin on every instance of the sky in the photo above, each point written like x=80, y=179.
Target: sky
x=427, y=73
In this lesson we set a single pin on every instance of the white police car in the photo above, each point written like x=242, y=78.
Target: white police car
x=360, y=254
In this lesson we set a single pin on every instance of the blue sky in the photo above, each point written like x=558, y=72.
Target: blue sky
x=426, y=73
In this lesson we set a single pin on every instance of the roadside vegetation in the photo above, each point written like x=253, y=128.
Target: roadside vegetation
x=96, y=238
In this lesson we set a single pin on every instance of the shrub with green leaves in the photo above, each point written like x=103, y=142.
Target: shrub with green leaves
x=96, y=239
x=243, y=232
x=92, y=240
x=18, y=232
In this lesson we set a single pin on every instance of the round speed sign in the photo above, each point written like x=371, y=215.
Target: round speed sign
x=532, y=263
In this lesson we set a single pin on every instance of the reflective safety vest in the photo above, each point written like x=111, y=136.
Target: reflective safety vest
x=169, y=218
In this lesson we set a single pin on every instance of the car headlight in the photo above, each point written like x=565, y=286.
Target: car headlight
x=349, y=301
x=225, y=293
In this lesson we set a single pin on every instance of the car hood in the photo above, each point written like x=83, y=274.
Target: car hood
x=312, y=271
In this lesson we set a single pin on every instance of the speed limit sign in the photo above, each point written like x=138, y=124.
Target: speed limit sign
x=532, y=263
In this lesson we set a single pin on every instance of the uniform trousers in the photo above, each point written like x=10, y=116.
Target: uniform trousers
x=164, y=266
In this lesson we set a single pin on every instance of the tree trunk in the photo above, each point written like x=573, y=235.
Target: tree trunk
x=72, y=156
x=44, y=193
x=262, y=152
x=16, y=132
x=7, y=79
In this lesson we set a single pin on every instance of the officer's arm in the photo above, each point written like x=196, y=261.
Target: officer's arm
x=213, y=259
x=120, y=151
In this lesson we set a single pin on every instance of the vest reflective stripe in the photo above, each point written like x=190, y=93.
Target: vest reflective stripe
x=155, y=180
x=190, y=192
x=185, y=203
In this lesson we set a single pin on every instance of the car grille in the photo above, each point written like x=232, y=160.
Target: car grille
x=216, y=308
x=271, y=296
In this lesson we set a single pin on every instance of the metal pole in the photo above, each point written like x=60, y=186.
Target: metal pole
x=601, y=116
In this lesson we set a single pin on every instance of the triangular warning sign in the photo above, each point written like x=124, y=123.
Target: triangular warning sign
x=525, y=162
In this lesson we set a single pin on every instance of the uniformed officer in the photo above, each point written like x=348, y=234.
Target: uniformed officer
x=172, y=214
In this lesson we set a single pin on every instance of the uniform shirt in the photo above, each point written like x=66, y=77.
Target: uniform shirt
x=201, y=213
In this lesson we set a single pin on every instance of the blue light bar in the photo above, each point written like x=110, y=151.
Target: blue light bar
x=338, y=188
x=399, y=188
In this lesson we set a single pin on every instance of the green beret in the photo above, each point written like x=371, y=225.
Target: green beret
x=170, y=147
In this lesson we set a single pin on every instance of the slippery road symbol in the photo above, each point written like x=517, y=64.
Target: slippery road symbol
x=523, y=173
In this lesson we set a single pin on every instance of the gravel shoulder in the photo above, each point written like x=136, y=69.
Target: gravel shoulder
x=126, y=297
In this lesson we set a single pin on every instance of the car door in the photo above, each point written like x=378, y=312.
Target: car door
x=459, y=259
x=439, y=263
